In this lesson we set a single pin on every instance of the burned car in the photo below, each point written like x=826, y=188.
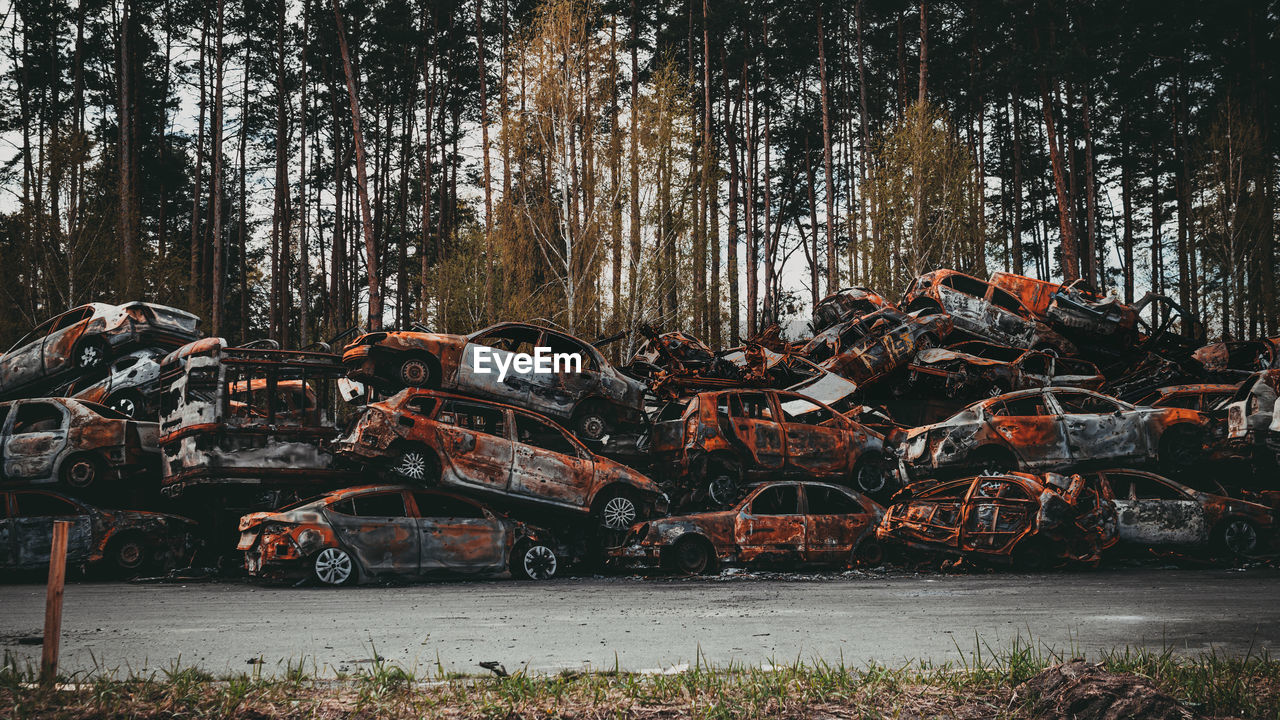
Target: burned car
x=85, y=338
x=592, y=396
x=791, y=523
x=1011, y=518
x=1208, y=398
x=131, y=385
x=382, y=531
x=982, y=311
x=867, y=348
x=854, y=301
x=1250, y=414
x=124, y=541
x=1154, y=511
x=505, y=453
x=1054, y=429
x=73, y=442
x=981, y=369
x=1239, y=357
x=708, y=448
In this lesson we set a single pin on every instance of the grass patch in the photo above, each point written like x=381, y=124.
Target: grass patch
x=982, y=684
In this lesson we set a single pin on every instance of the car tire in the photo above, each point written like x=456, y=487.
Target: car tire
x=1179, y=450
x=91, y=353
x=724, y=480
x=416, y=372
x=129, y=402
x=81, y=472
x=869, y=477
x=692, y=556
x=868, y=553
x=334, y=567
x=591, y=422
x=1030, y=555
x=1237, y=537
x=532, y=560
x=417, y=465
x=127, y=554
x=616, y=510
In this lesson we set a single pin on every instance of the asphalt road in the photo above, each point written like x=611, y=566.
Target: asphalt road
x=646, y=624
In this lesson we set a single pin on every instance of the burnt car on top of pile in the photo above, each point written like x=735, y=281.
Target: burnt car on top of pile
x=85, y=338
x=1208, y=398
x=80, y=444
x=123, y=541
x=708, y=448
x=982, y=369
x=854, y=301
x=1239, y=358
x=247, y=422
x=1009, y=518
x=982, y=311
x=790, y=523
x=867, y=348
x=594, y=398
x=503, y=452
x=1054, y=429
x=1156, y=512
x=131, y=385
x=383, y=531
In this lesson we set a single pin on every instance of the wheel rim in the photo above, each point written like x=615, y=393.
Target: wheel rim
x=1240, y=537
x=592, y=426
x=129, y=555
x=413, y=465
x=90, y=355
x=870, y=478
x=539, y=562
x=722, y=489
x=415, y=373
x=81, y=474
x=995, y=391
x=125, y=405
x=333, y=566
x=619, y=513
x=691, y=557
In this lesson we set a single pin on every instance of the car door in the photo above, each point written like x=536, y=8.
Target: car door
x=378, y=530
x=474, y=438
x=1100, y=428
x=24, y=363
x=570, y=381
x=769, y=526
x=32, y=528
x=37, y=436
x=755, y=429
x=498, y=346
x=457, y=534
x=1154, y=512
x=1034, y=369
x=935, y=516
x=834, y=522
x=58, y=348
x=819, y=442
x=549, y=465
x=997, y=513
x=1032, y=429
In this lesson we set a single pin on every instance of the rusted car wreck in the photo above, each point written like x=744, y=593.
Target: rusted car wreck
x=76, y=443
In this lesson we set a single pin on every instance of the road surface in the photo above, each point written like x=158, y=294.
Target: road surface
x=645, y=624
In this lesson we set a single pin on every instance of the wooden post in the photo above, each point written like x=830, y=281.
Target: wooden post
x=53, y=602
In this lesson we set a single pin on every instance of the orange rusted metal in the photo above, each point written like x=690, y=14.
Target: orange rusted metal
x=844, y=304
x=975, y=369
x=868, y=348
x=983, y=311
x=76, y=443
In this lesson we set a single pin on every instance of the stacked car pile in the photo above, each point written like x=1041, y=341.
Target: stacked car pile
x=1013, y=420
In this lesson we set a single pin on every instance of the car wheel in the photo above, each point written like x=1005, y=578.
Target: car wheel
x=869, y=476
x=415, y=372
x=534, y=561
x=691, y=556
x=333, y=566
x=868, y=553
x=996, y=390
x=1030, y=554
x=127, y=555
x=617, y=511
x=128, y=402
x=1179, y=449
x=417, y=465
x=1237, y=536
x=90, y=354
x=592, y=423
x=81, y=471
x=723, y=482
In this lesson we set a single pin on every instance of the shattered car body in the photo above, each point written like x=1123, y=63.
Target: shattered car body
x=1208, y=398
x=976, y=368
x=84, y=338
x=717, y=442
x=867, y=348
x=853, y=301
x=503, y=452
x=1006, y=518
x=126, y=541
x=214, y=432
x=777, y=523
x=73, y=442
x=1154, y=511
x=381, y=531
x=131, y=385
x=983, y=311
x=595, y=401
x=1239, y=357
x=1053, y=429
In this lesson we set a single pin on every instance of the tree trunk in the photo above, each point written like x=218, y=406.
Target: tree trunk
x=217, y=275
x=833, y=267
